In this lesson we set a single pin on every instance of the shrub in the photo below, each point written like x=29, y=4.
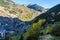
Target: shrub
x=48, y=29
x=34, y=33
x=56, y=29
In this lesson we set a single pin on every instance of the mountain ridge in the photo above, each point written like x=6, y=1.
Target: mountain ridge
x=36, y=7
x=50, y=14
x=18, y=11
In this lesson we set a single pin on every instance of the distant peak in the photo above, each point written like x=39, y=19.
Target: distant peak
x=36, y=7
x=32, y=4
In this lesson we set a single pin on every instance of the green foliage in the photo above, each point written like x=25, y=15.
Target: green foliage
x=12, y=12
x=35, y=30
x=57, y=17
x=55, y=38
x=48, y=29
x=2, y=3
x=56, y=29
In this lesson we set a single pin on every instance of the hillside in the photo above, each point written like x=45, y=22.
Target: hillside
x=37, y=8
x=52, y=14
x=45, y=26
x=10, y=9
x=28, y=22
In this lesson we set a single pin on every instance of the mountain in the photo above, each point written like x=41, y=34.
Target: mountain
x=13, y=18
x=36, y=7
x=51, y=16
x=9, y=26
x=47, y=22
x=10, y=9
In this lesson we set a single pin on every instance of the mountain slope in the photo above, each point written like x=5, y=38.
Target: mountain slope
x=36, y=7
x=52, y=14
x=46, y=22
x=15, y=10
x=12, y=26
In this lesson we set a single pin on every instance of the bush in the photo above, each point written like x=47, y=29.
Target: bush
x=34, y=33
x=48, y=29
x=56, y=29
